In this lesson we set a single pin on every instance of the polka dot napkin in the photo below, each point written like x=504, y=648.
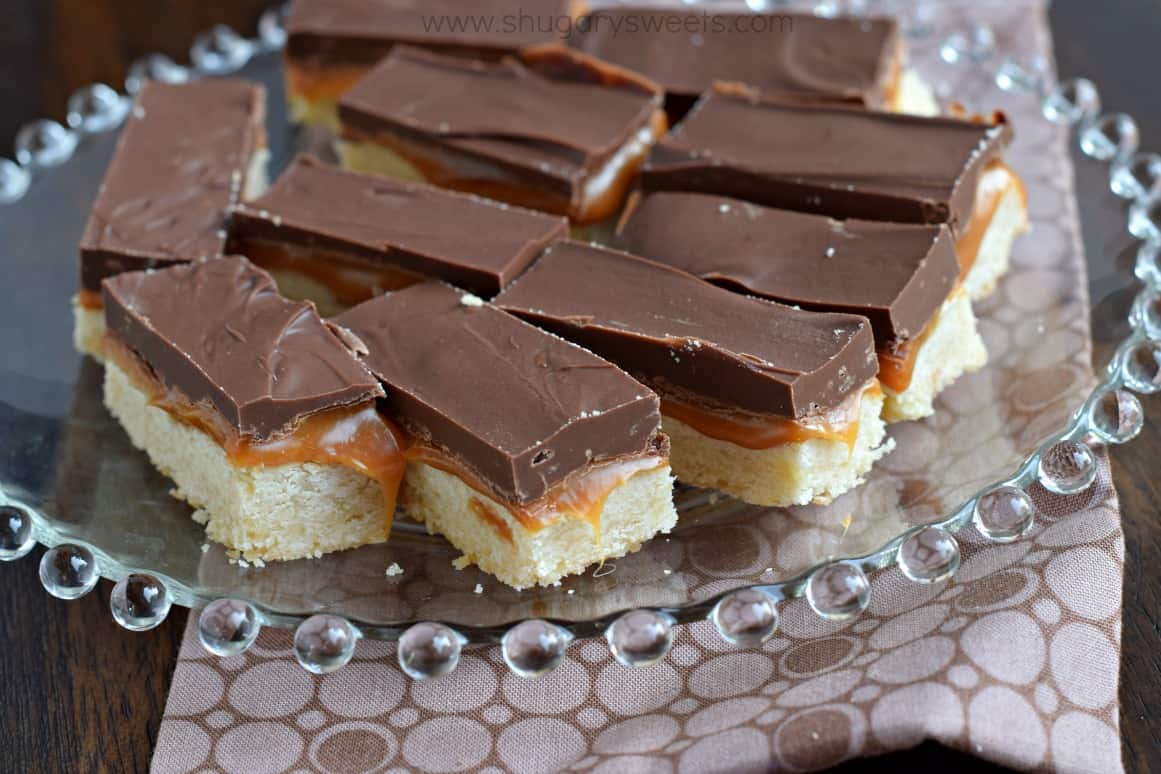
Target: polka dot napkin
x=1015, y=660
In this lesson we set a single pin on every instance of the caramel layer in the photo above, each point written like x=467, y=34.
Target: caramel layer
x=325, y=84
x=765, y=432
x=350, y=281
x=90, y=299
x=995, y=181
x=442, y=168
x=358, y=436
x=897, y=368
x=580, y=496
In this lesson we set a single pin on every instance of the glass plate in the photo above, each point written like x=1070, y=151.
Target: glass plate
x=66, y=465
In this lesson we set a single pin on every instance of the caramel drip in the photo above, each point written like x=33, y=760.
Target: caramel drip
x=510, y=189
x=358, y=436
x=995, y=181
x=90, y=299
x=350, y=281
x=894, y=76
x=485, y=513
x=580, y=496
x=323, y=85
x=765, y=432
x=896, y=368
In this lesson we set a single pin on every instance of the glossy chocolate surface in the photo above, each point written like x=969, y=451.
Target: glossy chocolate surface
x=217, y=331
x=543, y=123
x=519, y=407
x=687, y=50
x=691, y=340
x=895, y=274
x=827, y=159
x=472, y=242
x=180, y=164
x=338, y=32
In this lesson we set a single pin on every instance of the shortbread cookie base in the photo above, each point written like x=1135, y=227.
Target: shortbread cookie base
x=954, y=348
x=800, y=473
x=269, y=513
x=88, y=330
x=633, y=513
x=323, y=114
x=914, y=96
x=995, y=251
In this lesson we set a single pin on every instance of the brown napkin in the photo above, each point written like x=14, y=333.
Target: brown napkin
x=1015, y=660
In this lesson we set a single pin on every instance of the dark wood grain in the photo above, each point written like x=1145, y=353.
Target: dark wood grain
x=79, y=694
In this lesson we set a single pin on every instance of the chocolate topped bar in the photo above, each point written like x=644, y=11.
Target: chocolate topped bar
x=180, y=164
x=687, y=50
x=549, y=121
x=519, y=407
x=363, y=31
x=475, y=243
x=691, y=340
x=218, y=332
x=895, y=274
x=827, y=159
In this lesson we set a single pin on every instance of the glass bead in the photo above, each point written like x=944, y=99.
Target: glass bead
x=68, y=571
x=930, y=555
x=838, y=592
x=44, y=143
x=1067, y=468
x=1117, y=416
x=746, y=617
x=1004, y=514
x=140, y=602
x=324, y=643
x=227, y=627
x=429, y=649
x=16, y=539
x=96, y=108
x=534, y=647
x=1112, y=136
x=1072, y=102
x=640, y=637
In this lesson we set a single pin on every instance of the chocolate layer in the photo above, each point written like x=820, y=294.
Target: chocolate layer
x=537, y=120
x=475, y=243
x=895, y=274
x=520, y=408
x=218, y=331
x=691, y=340
x=830, y=160
x=343, y=32
x=180, y=164
x=687, y=50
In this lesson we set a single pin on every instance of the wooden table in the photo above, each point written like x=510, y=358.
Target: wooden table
x=80, y=694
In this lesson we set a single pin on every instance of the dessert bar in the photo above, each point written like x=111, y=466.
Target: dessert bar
x=849, y=163
x=338, y=237
x=187, y=153
x=534, y=457
x=858, y=60
x=554, y=131
x=254, y=406
x=902, y=277
x=331, y=44
x=771, y=404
